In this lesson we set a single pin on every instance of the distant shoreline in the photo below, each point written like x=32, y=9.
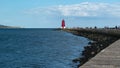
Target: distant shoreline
x=102, y=38
x=3, y=27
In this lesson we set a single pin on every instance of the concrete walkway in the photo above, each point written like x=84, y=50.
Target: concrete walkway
x=107, y=58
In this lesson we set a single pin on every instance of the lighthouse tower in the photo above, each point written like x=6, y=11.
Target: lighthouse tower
x=63, y=24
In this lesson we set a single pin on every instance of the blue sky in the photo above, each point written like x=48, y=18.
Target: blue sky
x=49, y=13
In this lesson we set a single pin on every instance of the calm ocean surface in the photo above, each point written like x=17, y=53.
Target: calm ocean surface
x=39, y=48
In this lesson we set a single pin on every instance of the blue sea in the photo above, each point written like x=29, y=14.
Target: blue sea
x=39, y=48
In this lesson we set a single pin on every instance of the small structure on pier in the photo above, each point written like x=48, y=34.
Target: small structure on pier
x=63, y=24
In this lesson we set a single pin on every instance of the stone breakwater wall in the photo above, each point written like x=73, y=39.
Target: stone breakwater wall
x=101, y=38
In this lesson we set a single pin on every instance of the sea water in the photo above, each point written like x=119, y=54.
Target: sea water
x=39, y=48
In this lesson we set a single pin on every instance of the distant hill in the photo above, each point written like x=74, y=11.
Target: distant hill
x=3, y=26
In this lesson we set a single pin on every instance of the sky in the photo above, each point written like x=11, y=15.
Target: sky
x=49, y=13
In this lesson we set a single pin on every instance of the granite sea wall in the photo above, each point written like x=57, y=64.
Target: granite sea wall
x=101, y=38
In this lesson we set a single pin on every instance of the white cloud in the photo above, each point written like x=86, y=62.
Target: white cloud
x=82, y=9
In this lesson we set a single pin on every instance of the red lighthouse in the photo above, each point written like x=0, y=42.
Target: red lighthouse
x=63, y=24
